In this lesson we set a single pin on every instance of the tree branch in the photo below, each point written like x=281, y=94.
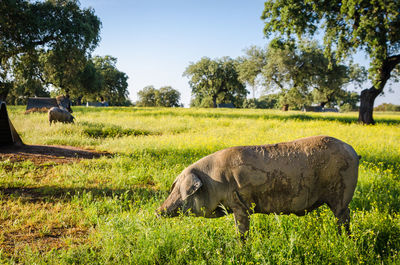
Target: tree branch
x=277, y=82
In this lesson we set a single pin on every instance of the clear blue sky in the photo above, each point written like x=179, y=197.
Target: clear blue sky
x=155, y=40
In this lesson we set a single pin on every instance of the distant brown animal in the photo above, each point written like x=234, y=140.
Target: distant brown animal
x=60, y=115
x=64, y=102
x=292, y=177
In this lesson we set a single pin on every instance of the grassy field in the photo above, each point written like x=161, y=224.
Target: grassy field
x=101, y=211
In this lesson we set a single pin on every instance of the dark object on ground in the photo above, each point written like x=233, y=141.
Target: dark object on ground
x=312, y=109
x=330, y=110
x=292, y=177
x=319, y=109
x=41, y=103
x=97, y=104
x=226, y=105
x=8, y=134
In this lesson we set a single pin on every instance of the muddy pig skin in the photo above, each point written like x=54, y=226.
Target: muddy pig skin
x=291, y=177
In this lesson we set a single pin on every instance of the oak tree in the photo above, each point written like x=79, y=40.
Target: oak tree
x=301, y=74
x=348, y=26
x=113, y=82
x=216, y=81
x=166, y=96
x=59, y=32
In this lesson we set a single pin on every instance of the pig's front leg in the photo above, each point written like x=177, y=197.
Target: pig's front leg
x=242, y=215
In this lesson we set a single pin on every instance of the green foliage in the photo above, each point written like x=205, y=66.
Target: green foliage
x=91, y=81
x=63, y=69
x=349, y=101
x=348, y=26
x=168, y=97
x=100, y=130
x=43, y=43
x=113, y=83
x=111, y=201
x=216, y=80
x=295, y=99
x=147, y=97
x=304, y=75
x=164, y=97
x=250, y=67
x=264, y=102
x=27, y=79
x=56, y=25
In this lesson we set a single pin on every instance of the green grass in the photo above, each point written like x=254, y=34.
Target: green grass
x=101, y=211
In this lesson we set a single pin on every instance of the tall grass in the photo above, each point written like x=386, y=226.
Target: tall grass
x=113, y=199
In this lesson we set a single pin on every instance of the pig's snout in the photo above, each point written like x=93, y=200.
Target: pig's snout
x=170, y=208
x=161, y=212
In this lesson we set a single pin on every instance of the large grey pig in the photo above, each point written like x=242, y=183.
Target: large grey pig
x=60, y=114
x=292, y=177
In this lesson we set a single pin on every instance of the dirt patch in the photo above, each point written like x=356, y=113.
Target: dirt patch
x=41, y=225
x=39, y=110
x=42, y=241
x=40, y=154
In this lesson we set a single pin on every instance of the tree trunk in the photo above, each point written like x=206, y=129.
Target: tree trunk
x=79, y=101
x=3, y=93
x=368, y=95
x=214, y=99
x=322, y=104
x=367, y=100
x=4, y=90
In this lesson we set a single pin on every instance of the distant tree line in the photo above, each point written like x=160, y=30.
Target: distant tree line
x=387, y=107
x=47, y=45
x=289, y=75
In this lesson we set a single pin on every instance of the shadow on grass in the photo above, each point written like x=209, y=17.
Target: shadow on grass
x=57, y=151
x=42, y=154
x=54, y=194
x=266, y=116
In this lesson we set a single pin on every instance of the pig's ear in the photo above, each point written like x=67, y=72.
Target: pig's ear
x=173, y=185
x=190, y=185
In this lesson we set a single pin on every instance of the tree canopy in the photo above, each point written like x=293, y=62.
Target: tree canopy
x=250, y=66
x=147, y=97
x=348, y=26
x=301, y=74
x=54, y=24
x=52, y=39
x=215, y=81
x=113, y=85
x=166, y=96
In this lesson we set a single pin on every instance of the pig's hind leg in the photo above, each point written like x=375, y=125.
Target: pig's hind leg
x=340, y=209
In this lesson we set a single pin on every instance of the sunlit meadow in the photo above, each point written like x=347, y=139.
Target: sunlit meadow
x=101, y=211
